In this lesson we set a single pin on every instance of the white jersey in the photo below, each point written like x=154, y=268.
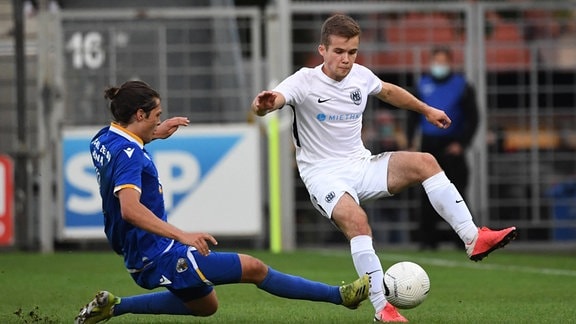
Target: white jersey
x=328, y=113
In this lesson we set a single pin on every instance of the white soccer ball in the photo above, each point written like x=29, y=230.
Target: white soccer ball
x=406, y=285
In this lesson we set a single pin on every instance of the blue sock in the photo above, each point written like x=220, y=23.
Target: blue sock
x=288, y=286
x=163, y=302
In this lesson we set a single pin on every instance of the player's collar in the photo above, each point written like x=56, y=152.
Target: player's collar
x=116, y=128
x=328, y=79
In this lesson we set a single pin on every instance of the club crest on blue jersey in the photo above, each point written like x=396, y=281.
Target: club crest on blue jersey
x=181, y=265
x=356, y=96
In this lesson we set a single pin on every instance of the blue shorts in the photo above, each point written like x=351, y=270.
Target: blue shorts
x=188, y=274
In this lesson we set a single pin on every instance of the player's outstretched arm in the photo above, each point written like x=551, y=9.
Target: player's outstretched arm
x=403, y=99
x=267, y=101
x=169, y=127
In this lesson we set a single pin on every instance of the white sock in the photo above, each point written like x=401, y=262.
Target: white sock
x=448, y=202
x=366, y=262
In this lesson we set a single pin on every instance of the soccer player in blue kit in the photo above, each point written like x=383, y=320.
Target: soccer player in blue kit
x=339, y=172
x=158, y=254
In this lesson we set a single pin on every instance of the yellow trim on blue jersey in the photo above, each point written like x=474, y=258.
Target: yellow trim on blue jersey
x=196, y=268
x=128, y=185
x=201, y=275
x=124, y=130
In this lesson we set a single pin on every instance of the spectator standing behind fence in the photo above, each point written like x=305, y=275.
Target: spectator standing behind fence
x=450, y=91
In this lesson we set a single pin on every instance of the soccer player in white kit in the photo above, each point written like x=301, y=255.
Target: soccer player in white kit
x=339, y=172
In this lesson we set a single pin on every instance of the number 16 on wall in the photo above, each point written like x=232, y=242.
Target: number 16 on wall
x=87, y=50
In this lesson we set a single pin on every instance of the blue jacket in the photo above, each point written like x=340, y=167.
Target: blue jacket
x=457, y=98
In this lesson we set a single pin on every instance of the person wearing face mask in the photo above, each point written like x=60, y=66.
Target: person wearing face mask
x=450, y=91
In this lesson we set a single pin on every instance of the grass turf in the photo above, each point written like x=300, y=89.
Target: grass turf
x=505, y=288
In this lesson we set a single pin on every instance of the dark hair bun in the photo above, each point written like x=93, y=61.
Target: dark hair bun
x=111, y=93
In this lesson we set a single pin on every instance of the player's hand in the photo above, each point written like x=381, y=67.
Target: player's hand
x=199, y=241
x=169, y=127
x=438, y=118
x=263, y=102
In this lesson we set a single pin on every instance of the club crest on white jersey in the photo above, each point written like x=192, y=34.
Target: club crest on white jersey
x=356, y=96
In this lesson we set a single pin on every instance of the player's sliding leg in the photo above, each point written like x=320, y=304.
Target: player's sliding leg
x=99, y=309
x=288, y=286
x=294, y=287
x=449, y=204
x=354, y=293
x=105, y=305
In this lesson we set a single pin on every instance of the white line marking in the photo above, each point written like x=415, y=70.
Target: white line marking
x=482, y=266
x=462, y=264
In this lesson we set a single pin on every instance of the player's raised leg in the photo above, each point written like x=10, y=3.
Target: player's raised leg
x=408, y=168
x=489, y=240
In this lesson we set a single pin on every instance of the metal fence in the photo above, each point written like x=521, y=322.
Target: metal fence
x=528, y=91
x=205, y=62
x=521, y=59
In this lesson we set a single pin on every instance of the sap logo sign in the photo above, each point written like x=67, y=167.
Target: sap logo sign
x=180, y=174
x=182, y=163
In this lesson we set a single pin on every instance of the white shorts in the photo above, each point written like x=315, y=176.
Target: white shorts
x=364, y=178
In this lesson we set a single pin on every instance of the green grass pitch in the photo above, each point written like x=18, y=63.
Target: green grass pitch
x=507, y=287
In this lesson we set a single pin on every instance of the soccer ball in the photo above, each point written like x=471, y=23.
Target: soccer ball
x=406, y=285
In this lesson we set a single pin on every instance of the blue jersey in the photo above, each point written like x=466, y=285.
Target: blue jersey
x=122, y=162
x=446, y=95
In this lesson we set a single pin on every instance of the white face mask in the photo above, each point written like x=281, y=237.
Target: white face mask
x=439, y=71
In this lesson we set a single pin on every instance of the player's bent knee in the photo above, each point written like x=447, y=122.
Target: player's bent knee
x=426, y=165
x=428, y=159
x=253, y=270
x=353, y=224
x=432, y=166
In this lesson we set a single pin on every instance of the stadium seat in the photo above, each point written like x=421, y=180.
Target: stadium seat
x=506, y=48
x=412, y=35
x=421, y=28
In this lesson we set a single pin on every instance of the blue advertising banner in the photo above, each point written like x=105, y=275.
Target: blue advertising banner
x=210, y=175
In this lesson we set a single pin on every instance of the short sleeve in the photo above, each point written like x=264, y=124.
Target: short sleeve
x=128, y=169
x=295, y=87
x=374, y=82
